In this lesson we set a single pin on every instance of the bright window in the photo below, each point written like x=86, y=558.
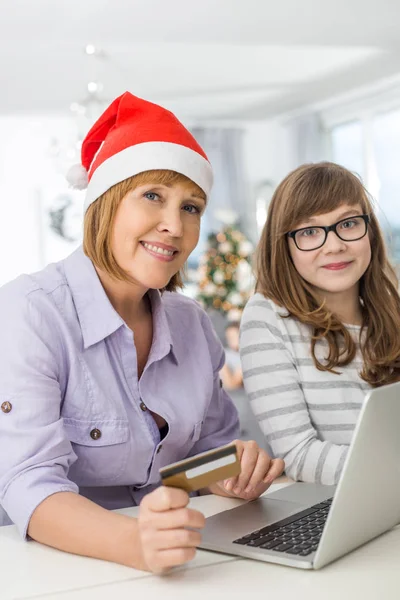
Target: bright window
x=371, y=148
x=347, y=146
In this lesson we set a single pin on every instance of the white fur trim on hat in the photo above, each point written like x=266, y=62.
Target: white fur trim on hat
x=149, y=156
x=77, y=177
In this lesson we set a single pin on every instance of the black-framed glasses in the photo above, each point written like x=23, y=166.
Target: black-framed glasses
x=350, y=229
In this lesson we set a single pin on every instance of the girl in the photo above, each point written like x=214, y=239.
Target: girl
x=106, y=373
x=323, y=327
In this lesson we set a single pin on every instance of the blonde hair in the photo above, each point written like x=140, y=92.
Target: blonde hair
x=100, y=216
x=320, y=188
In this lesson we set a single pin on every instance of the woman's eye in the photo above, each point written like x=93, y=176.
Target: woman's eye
x=348, y=224
x=309, y=232
x=151, y=196
x=191, y=209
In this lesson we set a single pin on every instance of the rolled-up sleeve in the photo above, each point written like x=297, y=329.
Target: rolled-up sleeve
x=221, y=423
x=35, y=454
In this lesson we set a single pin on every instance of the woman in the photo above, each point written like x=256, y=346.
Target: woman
x=323, y=327
x=103, y=378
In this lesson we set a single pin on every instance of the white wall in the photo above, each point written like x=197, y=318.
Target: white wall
x=18, y=228
x=266, y=153
x=28, y=180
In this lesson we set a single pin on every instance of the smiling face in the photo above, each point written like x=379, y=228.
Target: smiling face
x=337, y=266
x=156, y=227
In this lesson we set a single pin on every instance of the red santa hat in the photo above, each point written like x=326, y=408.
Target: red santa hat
x=132, y=136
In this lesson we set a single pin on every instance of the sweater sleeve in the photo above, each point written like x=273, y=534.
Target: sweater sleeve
x=274, y=390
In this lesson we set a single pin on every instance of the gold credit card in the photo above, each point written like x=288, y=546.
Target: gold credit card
x=202, y=470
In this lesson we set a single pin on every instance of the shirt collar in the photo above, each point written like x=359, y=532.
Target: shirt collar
x=97, y=316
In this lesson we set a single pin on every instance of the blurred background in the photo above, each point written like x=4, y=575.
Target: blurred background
x=264, y=86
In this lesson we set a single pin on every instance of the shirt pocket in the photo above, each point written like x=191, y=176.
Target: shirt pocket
x=102, y=449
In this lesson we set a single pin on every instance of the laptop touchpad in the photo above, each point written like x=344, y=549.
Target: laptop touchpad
x=249, y=517
x=305, y=494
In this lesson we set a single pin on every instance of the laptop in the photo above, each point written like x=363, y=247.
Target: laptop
x=308, y=525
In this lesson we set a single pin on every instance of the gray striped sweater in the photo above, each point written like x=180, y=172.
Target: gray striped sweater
x=308, y=416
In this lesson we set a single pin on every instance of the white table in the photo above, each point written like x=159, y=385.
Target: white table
x=29, y=570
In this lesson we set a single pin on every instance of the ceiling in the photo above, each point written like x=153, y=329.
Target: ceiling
x=204, y=59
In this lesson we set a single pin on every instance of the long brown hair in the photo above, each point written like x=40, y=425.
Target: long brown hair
x=315, y=189
x=100, y=217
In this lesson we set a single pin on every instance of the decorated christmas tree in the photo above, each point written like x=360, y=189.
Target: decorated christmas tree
x=226, y=281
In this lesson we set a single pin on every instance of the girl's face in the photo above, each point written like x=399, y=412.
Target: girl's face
x=338, y=265
x=156, y=228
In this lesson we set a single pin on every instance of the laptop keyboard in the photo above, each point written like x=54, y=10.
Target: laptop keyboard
x=298, y=534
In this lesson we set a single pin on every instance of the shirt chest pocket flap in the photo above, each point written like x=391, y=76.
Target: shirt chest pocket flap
x=97, y=433
x=101, y=448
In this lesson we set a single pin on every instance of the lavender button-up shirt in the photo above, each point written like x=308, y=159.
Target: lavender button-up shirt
x=74, y=415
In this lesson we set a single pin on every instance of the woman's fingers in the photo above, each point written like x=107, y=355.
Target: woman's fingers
x=166, y=508
x=165, y=498
x=229, y=484
x=249, y=459
x=172, y=538
x=276, y=468
x=168, y=529
x=166, y=559
x=174, y=519
x=260, y=471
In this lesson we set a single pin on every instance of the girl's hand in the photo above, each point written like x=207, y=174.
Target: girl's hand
x=166, y=529
x=258, y=472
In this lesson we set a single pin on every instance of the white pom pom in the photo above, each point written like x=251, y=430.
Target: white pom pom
x=77, y=177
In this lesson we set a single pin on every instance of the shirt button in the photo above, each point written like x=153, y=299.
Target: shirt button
x=6, y=407
x=95, y=434
x=143, y=406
